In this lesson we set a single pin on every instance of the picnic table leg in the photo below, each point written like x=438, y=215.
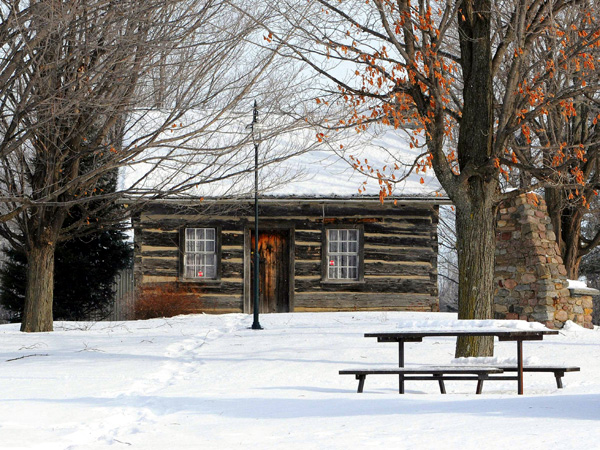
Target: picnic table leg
x=401, y=364
x=520, y=366
x=441, y=383
x=361, y=383
x=480, y=384
x=558, y=375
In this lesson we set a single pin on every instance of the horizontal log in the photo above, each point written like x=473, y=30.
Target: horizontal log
x=423, y=254
x=379, y=268
x=232, y=253
x=156, y=279
x=308, y=268
x=221, y=304
x=182, y=300
x=371, y=268
x=379, y=285
x=392, y=229
x=308, y=236
x=160, y=238
x=312, y=252
x=227, y=224
x=398, y=241
x=232, y=269
x=314, y=309
x=160, y=271
x=290, y=208
x=164, y=252
x=380, y=253
x=218, y=287
x=160, y=263
x=352, y=300
x=196, y=287
x=403, y=223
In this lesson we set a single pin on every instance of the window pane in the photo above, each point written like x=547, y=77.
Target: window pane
x=211, y=272
x=209, y=246
x=210, y=260
x=342, y=256
x=189, y=240
x=189, y=266
x=200, y=259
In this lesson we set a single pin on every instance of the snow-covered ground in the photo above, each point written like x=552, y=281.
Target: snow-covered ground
x=208, y=382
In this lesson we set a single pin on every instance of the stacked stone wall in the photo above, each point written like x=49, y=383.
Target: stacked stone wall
x=530, y=277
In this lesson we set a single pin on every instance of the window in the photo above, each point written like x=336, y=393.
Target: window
x=342, y=254
x=200, y=258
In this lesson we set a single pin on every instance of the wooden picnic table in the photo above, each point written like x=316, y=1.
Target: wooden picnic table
x=503, y=334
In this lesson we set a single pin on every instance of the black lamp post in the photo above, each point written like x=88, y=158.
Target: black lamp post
x=256, y=140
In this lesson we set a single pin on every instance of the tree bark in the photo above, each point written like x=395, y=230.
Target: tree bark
x=475, y=196
x=572, y=218
x=37, y=313
x=566, y=223
x=476, y=239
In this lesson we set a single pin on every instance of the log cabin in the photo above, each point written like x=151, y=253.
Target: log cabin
x=316, y=253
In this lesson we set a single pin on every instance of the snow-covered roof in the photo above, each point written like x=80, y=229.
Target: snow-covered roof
x=305, y=166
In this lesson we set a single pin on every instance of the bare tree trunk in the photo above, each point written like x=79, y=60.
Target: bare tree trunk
x=37, y=314
x=566, y=222
x=571, y=236
x=475, y=196
x=476, y=239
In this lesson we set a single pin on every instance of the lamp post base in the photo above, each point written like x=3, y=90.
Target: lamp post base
x=256, y=326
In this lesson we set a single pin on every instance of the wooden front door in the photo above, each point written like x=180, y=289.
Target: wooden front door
x=274, y=267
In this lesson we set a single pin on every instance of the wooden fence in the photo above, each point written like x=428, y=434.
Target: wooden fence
x=123, y=307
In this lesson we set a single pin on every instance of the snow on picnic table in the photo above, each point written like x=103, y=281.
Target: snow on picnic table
x=209, y=382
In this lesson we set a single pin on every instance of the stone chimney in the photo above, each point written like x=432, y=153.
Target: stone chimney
x=530, y=277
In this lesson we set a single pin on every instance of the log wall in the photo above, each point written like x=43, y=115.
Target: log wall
x=400, y=254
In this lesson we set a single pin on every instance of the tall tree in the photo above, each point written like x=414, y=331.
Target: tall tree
x=90, y=87
x=84, y=271
x=459, y=76
x=574, y=131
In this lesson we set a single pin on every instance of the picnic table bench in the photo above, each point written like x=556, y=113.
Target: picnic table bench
x=455, y=373
x=433, y=373
x=558, y=371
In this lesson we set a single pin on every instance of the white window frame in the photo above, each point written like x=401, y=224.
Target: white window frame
x=199, y=249
x=342, y=249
